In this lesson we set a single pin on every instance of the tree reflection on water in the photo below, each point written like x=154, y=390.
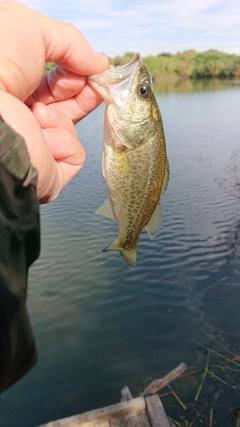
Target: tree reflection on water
x=174, y=85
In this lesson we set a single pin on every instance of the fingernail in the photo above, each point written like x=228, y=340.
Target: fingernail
x=104, y=60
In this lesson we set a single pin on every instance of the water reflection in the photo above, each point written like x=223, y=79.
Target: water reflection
x=165, y=86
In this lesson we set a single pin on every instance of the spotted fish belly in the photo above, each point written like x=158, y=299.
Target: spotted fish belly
x=134, y=180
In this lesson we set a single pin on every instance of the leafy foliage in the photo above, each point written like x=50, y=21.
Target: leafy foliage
x=188, y=64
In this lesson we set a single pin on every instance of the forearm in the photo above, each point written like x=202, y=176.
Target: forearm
x=19, y=247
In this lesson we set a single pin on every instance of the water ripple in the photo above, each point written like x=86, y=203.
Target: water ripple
x=100, y=325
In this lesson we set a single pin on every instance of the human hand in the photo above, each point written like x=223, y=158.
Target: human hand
x=43, y=108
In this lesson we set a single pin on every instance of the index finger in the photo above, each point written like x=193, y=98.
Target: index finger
x=30, y=40
x=66, y=46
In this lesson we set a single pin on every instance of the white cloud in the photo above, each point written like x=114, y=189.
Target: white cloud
x=93, y=24
x=116, y=26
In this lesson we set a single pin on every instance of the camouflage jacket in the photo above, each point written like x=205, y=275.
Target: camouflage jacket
x=19, y=247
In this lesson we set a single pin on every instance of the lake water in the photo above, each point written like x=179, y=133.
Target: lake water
x=99, y=325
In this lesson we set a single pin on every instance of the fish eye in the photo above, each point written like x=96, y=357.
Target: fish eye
x=144, y=90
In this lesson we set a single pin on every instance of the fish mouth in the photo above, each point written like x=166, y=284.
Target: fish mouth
x=123, y=71
x=102, y=82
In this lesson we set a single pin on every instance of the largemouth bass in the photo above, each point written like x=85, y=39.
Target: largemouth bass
x=134, y=164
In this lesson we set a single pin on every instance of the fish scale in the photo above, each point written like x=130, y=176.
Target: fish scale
x=135, y=165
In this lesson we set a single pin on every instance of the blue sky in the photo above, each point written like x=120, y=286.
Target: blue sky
x=150, y=26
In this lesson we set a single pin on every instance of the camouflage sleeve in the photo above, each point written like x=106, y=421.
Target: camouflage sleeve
x=19, y=247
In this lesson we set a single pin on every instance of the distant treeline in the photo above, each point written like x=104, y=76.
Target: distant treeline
x=188, y=64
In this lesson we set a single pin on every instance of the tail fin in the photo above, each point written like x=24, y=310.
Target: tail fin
x=129, y=255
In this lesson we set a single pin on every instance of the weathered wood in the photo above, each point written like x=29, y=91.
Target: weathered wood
x=94, y=423
x=126, y=395
x=155, y=411
x=139, y=420
x=118, y=422
x=131, y=420
x=119, y=409
x=158, y=384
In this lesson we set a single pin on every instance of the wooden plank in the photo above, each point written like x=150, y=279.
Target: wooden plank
x=94, y=423
x=126, y=394
x=157, y=385
x=155, y=411
x=119, y=409
x=119, y=422
x=139, y=420
x=131, y=420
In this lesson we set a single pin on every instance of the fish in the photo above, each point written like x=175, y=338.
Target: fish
x=134, y=162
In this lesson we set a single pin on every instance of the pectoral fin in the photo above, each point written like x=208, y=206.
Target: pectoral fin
x=105, y=210
x=154, y=223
